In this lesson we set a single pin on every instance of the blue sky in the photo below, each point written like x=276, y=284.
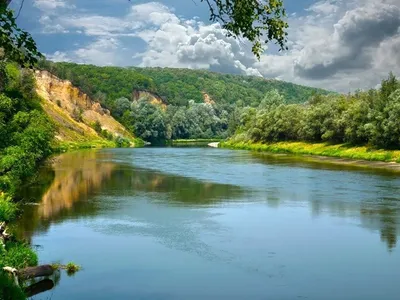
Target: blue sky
x=341, y=45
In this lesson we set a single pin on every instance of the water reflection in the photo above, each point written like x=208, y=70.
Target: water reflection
x=369, y=197
x=79, y=177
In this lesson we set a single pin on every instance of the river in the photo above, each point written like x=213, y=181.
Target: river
x=204, y=223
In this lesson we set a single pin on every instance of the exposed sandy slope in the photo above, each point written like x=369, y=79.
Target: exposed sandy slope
x=63, y=103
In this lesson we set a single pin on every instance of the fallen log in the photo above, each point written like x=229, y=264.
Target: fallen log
x=39, y=287
x=32, y=272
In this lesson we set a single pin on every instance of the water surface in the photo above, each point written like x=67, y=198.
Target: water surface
x=204, y=223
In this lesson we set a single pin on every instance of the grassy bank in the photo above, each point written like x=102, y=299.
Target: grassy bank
x=19, y=254
x=65, y=146
x=319, y=149
x=14, y=253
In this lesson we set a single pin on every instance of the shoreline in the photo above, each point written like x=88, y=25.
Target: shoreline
x=347, y=156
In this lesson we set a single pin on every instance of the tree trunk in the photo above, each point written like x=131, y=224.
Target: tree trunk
x=32, y=272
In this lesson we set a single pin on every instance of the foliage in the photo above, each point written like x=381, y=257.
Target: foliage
x=121, y=142
x=175, y=86
x=18, y=255
x=8, y=209
x=25, y=131
x=97, y=126
x=156, y=124
x=72, y=268
x=241, y=18
x=16, y=45
x=363, y=118
x=251, y=19
x=319, y=149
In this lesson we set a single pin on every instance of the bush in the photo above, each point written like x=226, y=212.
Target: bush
x=97, y=126
x=122, y=142
x=8, y=209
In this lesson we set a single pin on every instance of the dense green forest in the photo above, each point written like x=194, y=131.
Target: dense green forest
x=156, y=125
x=175, y=86
x=363, y=118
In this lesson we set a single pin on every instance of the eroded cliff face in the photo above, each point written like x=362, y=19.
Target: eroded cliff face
x=72, y=110
x=207, y=99
x=150, y=97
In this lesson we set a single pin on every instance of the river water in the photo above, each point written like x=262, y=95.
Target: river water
x=204, y=223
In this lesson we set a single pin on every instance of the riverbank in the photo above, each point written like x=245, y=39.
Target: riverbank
x=12, y=252
x=19, y=254
x=193, y=141
x=339, y=154
x=66, y=146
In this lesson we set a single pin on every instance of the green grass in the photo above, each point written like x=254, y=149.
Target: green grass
x=71, y=268
x=95, y=144
x=138, y=142
x=64, y=146
x=320, y=149
x=8, y=209
x=17, y=255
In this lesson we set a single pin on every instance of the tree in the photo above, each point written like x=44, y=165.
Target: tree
x=120, y=106
x=257, y=20
x=16, y=44
x=251, y=19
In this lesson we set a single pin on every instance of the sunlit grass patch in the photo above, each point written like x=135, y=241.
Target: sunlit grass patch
x=320, y=149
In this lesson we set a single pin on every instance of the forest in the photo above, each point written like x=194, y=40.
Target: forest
x=175, y=86
x=362, y=118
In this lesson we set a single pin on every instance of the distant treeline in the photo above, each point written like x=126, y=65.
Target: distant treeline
x=175, y=86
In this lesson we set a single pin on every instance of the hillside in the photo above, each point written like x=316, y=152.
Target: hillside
x=174, y=86
x=75, y=113
x=161, y=104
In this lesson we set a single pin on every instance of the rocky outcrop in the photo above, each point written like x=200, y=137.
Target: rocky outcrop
x=207, y=99
x=73, y=110
x=151, y=97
